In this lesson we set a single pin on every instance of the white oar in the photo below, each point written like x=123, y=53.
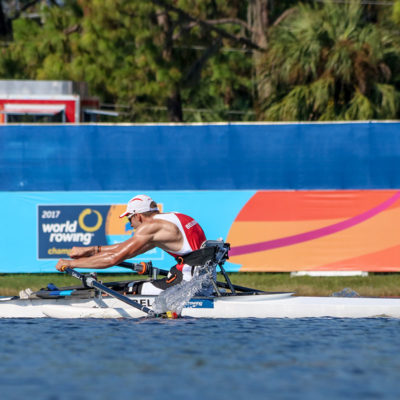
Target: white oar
x=91, y=282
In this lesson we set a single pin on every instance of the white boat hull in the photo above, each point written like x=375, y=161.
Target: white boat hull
x=282, y=305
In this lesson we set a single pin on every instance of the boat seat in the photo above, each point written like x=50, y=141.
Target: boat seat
x=211, y=252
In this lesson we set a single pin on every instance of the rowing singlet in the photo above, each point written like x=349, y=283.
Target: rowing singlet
x=193, y=235
x=193, y=238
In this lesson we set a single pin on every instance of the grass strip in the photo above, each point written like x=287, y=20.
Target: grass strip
x=374, y=285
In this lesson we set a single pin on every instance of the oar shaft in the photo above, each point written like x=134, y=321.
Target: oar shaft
x=91, y=282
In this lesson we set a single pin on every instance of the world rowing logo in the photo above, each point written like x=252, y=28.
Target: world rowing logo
x=61, y=227
x=81, y=219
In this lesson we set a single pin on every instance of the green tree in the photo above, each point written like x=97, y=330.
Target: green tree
x=330, y=62
x=11, y=10
x=143, y=55
x=180, y=44
x=396, y=12
x=157, y=58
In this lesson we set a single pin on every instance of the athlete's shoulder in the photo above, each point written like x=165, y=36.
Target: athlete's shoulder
x=150, y=226
x=176, y=217
x=182, y=216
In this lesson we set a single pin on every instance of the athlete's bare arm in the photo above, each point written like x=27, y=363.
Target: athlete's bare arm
x=88, y=251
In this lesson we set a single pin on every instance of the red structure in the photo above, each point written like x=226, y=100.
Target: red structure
x=44, y=101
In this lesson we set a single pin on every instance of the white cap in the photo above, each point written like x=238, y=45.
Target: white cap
x=139, y=204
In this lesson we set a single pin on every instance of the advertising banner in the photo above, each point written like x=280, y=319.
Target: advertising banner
x=318, y=231
x=60, y=227
x=275, y=231
x=287, y=197
x=41, y=227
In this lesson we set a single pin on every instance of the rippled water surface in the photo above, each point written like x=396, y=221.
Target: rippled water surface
x=200, y=359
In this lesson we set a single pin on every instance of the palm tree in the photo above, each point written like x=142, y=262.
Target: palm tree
x=327, y=62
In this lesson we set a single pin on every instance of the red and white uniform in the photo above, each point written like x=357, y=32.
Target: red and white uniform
x=193, y=235
x=193, y=238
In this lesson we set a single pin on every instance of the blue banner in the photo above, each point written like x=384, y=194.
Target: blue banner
x=200, y=157
x=38, y=228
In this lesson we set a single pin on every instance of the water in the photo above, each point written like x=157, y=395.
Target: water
x=177, y=296
x=346, y=292
x=313, y=359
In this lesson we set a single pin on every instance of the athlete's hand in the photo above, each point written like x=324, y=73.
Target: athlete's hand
x=62, y=264
x=79, y=252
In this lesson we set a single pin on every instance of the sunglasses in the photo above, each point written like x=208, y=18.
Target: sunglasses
x=129, y=216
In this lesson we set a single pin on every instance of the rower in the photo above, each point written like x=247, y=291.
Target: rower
x=176, y=233
x=212, y=254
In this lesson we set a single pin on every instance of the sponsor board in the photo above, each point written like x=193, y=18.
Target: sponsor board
x=31, y=218
x=61, y=227
x=269, y=231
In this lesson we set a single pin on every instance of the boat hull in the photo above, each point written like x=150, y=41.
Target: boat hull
x=281, y=305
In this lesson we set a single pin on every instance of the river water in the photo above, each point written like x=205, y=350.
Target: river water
x=313, y=359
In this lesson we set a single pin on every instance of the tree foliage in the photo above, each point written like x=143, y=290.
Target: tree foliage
x=139, y=54
x=330, y=62
x=201, y=60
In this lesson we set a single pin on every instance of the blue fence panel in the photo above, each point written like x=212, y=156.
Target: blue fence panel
x=200, y=157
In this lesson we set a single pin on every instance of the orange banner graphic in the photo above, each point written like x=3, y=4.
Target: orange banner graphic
x=318, y=231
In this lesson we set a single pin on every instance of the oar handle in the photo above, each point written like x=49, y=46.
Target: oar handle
x=91, y=282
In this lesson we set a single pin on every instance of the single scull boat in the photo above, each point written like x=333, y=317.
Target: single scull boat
x=96, y=300
x=258, y=305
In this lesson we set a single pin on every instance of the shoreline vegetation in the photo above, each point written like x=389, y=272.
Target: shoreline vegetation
x=373, y=285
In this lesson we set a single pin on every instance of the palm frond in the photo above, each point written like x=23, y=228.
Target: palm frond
x=360, y=108
x=330, y=62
